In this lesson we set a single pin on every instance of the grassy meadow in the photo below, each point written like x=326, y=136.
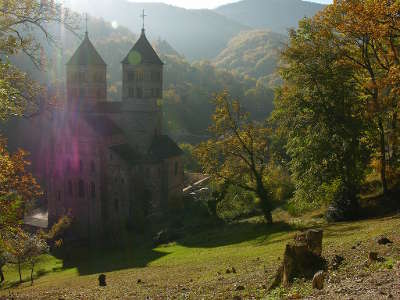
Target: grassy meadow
x=195, y=266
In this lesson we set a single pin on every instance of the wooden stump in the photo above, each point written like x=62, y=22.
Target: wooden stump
x=302, y=258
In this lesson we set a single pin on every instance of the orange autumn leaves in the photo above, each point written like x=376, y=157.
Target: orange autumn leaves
x=18, y=187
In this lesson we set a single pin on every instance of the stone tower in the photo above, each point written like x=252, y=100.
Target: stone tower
x=142, y=82
x=86, y=77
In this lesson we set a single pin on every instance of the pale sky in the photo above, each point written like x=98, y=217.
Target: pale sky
x=206, y=3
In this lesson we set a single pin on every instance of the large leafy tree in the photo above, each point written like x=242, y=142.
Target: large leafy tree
x=320, y=114
x=367, y=34
x=238, y=152
x=17, y=187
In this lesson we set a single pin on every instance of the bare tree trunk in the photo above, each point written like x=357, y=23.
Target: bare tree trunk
x=394, y=142
x=1, y=275
x=19, y=271
x=383, y=157
x=265, y=201
x=33, y=266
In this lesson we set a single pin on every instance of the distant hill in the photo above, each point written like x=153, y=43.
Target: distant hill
x=197, y=34
x=253, y=54
x=275, y=15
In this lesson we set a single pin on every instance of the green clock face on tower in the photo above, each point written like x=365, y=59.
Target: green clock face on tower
x=135, y=58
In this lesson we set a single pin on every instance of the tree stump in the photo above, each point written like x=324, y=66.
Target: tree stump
x=302, y=258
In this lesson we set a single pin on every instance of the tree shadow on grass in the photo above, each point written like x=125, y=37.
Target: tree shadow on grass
x=230, y=234
x=340, y=230
x=93, y=260
x=26, y=279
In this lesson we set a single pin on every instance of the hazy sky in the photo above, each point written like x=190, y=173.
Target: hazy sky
x=206, y=3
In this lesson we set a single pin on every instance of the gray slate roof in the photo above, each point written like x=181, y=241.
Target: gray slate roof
x=147, y=54
x=108, y=107
x=127, y=153
x=103, y=125
x=164, y=147
x=86, y=55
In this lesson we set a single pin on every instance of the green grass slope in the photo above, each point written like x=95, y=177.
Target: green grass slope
x=195, y=267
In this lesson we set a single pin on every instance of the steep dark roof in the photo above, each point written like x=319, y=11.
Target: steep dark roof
x=163, y=147
x=86, y=55
x=142, y=52
x=103, y=125
x=127, y=153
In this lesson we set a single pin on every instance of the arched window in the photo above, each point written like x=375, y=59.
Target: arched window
x=116, y=204
x=93, y=190
x=139, y=93
x=99, y=93
x=82, y=76
x=131, y=92
x=69, y=188
x=131, y=76
x=81, y=189
x=139, y=76
x=176, y=168
x=68, y=165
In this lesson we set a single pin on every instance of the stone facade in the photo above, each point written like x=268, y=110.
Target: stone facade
x=107, y=160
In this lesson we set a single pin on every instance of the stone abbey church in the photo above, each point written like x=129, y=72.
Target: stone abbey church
x=106, y=161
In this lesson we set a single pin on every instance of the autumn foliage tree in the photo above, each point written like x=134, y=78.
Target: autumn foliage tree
x=18, y=188
x=337, y=109
x=238, y=152
x=367, y=34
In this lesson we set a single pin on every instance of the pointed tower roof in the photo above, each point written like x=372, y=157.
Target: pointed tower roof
x=142, y=52
x=86, y=54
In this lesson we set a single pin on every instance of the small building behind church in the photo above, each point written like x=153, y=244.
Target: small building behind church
x=108, y=162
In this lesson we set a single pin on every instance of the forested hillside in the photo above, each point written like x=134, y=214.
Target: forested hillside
x=275, y=15
x=189, y=87
x=253, y=54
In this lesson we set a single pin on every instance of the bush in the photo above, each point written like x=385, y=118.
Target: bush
x=236, y=204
